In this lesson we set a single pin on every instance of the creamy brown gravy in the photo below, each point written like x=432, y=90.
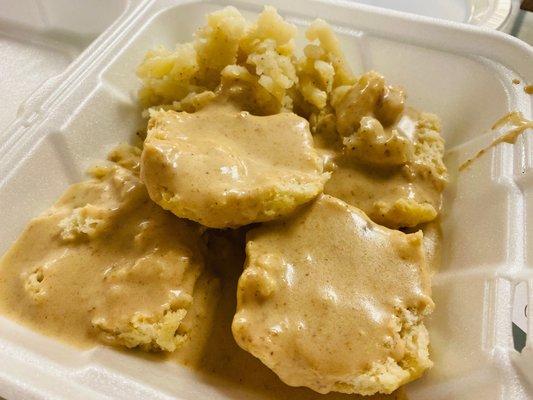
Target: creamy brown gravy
x=210, y=347
x=432, y=243
x=226, y=168
x=376, y=189
x=319, y=292
x=103, y=257
x=367, y=187
x=221, y=360
x=210, y=350
x=518, y=124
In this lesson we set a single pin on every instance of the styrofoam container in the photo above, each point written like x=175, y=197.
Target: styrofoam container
x=40, y=38
x=462, y=73
x=486, y=13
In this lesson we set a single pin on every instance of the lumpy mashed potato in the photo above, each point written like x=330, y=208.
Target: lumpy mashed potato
x=384, y=157
x=257, y=58
x=254, y=64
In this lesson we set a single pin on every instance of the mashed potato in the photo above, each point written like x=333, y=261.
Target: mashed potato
x=255, y=64
x=259, y=57
x=385, y=158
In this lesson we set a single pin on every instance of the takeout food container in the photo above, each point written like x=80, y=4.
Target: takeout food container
x=39, y=39
x=485, y=13
x=464, y=74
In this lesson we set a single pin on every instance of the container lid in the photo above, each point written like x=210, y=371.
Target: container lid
x=39, y=40
x=487, y=13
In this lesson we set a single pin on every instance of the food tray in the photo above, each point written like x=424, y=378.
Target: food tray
x=40, y=38
x=462, y=73
x=486, y=13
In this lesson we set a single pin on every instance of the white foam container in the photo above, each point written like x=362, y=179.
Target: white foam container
x=460, y=72
x=40, y=38
x=486, y=13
